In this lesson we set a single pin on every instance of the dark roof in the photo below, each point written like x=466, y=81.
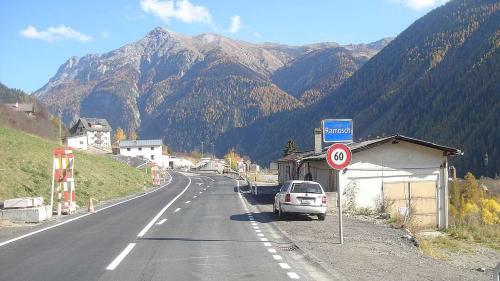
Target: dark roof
x=138, y=143
x=360, y=146
x=25, y=107
x=92, y=124
x=295, y=156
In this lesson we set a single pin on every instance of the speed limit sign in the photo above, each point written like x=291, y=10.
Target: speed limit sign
x=338, y=156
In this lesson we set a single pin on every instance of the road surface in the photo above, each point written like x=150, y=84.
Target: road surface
x=198, y=227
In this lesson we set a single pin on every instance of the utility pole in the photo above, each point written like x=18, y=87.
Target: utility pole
x=213, y=155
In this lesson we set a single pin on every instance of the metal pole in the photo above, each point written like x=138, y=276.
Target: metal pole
x=339, y=202
x=201, y=149
x=52, y=185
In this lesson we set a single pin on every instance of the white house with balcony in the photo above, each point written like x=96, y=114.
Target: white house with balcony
x=148, y=149
x=95, y=131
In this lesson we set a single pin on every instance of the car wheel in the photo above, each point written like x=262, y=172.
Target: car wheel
x=275, y=211
x=281, y=214
x=321, y=217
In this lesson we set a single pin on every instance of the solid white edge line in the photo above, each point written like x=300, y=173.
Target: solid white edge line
x=82, y=216
x=161, y=222
x=293, y=275
x=148, y=226
x=120, y=257
x=284, y=265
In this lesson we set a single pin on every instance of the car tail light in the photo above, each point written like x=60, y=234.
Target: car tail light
x=323, y=201
x=287, y=198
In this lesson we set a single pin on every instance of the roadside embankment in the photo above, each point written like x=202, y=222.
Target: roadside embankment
x=26, y=170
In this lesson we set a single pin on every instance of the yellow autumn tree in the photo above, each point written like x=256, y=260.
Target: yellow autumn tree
x=132, y=135
x=119, y=135
x=232, y=158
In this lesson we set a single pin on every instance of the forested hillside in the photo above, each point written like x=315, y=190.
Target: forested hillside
x=438, y=80
x=189, y=89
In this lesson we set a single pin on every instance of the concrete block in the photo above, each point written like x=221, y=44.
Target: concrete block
x=25, y=202
x=32, y=215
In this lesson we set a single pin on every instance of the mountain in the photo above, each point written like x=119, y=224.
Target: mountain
x=190, y=89
x=438, y=80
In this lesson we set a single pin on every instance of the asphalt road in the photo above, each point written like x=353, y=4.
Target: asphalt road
x=197, y=228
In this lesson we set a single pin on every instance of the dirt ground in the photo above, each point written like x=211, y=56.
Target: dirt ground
x=373, y=250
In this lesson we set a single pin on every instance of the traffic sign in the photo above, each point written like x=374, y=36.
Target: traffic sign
x=338, y=156
x=337, y=130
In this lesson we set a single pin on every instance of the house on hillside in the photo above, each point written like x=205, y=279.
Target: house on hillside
x=28, y=108
x=148, y=149
x=398, y=172
x=96, y=132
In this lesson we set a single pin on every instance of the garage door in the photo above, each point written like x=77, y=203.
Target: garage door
x=421, y=195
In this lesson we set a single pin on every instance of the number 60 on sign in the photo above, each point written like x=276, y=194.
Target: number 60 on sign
x=338, y=156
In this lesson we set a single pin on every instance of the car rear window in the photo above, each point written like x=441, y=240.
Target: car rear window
x=306, y=188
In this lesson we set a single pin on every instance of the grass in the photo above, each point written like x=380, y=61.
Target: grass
x=461, y=239
x=26, y=170
x=441, y=247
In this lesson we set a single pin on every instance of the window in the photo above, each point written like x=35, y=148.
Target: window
x=128, y=148
x=306, y=188
x=140, y=148
x=152, y=157
x=81, y=142
x=152, y=148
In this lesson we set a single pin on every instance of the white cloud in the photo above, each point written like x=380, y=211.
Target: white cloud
x=54, y=33
x=235, y=24
x=257, y=35
x=182, y=10
x=419, y=5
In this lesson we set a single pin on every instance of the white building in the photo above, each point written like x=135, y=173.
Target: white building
x=399, y=170
x=97, y=131
x=148, y=149
x=78, y=142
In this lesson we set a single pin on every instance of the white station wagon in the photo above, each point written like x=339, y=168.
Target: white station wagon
x=300, y=197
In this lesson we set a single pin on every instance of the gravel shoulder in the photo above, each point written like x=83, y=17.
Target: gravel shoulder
x=372, y=250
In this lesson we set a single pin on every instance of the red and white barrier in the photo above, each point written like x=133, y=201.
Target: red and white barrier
x=63, y=182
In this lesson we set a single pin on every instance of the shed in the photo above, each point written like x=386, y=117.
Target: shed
x=398, y=171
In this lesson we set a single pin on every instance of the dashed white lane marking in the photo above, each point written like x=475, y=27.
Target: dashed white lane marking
x=195, y=196
x=187, y=202
x=256, y=227
x=260, y=234
x=258, y=230
x=201, y=192
x=120, y=257
x=264, y=239
x=267, y=244
x=161, y=222
x=148, y=226
x=177, y=210
x=284, y=265
x=277, y=257
x=271, y=250
x=82, y=216
x=293, y=275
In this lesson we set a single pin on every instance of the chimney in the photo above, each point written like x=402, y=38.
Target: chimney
x=17, y=104
x=317, y=141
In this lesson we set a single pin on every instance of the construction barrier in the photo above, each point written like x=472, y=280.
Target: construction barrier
x=63, y=182
x=155, y=175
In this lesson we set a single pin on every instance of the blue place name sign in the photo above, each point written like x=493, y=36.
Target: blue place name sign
x=337, y=130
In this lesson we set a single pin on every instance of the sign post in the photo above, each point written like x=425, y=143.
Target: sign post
x=338, y=157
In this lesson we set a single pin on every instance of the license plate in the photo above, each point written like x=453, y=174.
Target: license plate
x=307, y=201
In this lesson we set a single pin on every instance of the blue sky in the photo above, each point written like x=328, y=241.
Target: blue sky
x=38, y=36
